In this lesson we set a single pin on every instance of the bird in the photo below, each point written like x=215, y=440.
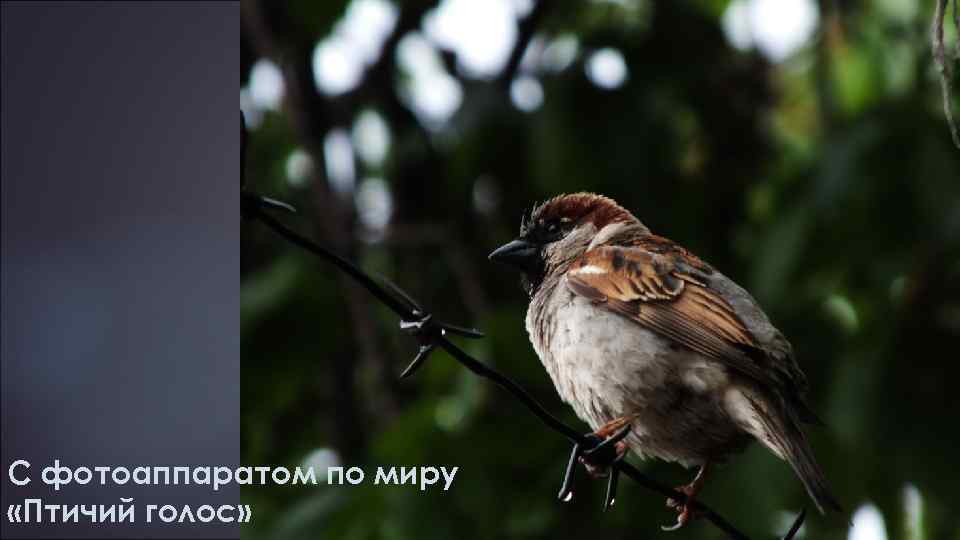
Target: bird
x=635, y=330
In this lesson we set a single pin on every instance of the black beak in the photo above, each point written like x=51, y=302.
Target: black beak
x=518, y=253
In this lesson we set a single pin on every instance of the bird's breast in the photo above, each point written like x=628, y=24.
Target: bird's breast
x=607, y=366
x=600, y=362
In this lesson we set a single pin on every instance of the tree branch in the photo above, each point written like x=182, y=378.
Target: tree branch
x=526, y=30
x=944, y=64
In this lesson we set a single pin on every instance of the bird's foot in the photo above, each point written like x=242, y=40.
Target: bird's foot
x=600, y=459
x=609, y=447
x=601, y=468
x=685, y=509
x=614, y=427
x=598, y=452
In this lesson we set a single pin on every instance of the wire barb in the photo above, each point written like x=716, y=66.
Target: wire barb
x=597, y=452
x=566, y=486
x=611, y=496
x=251, y=204
x=422, y=355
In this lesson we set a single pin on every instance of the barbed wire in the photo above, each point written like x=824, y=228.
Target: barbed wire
x=432, y=334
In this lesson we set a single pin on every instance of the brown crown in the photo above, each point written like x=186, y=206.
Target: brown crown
x=581, y=208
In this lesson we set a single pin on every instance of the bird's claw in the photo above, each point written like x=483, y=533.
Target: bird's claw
x=686, y=514
x=606, y=452
x=676, y=526
x=685, y=509
x=682, y=518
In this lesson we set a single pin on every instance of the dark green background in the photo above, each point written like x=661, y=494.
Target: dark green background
x=826, y=185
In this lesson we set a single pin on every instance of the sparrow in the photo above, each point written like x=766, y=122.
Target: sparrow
x=635, y=330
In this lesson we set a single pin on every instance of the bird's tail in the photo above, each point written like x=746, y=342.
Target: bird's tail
x=786, y=439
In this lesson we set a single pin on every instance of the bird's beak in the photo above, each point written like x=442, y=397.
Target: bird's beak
x=518, y=253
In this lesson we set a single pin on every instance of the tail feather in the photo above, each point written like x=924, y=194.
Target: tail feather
x=783, y=435
x=800, y=457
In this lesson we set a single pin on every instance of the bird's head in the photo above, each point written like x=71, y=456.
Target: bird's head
x=558, y=231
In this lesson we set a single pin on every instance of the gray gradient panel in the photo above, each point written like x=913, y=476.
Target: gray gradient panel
x=120, y=251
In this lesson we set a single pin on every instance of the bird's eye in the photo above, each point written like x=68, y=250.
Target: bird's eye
x=552, y=227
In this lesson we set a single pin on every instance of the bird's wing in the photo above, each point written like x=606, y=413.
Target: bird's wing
x=665, y=289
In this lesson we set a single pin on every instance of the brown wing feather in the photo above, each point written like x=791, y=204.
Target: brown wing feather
x=666, y=292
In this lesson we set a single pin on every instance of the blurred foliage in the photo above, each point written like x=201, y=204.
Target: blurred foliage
x=826, y=184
